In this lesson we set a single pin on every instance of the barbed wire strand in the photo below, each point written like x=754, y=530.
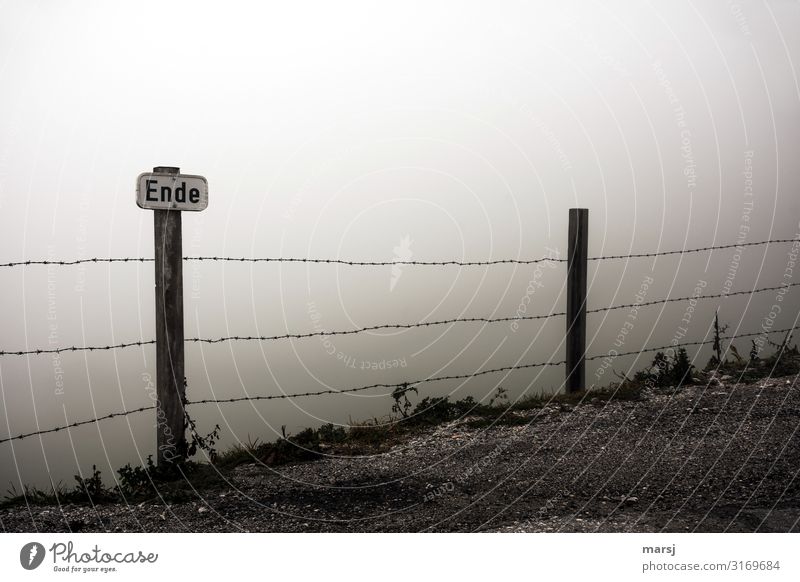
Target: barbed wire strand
x=470, y=319
x=288, y=396
x=375, y=328
x=323, y=333
x=78, y=261
x=74, y=424
x=465, y=376
x=690, y=297
x=287, y=335
x=688, y=344
x=77, y=348
x=371, y=386
x=384, y=385
x=392, y=262
x=352, y=263
x=695, y=250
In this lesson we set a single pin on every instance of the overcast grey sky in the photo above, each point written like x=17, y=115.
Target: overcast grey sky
x=375, y=131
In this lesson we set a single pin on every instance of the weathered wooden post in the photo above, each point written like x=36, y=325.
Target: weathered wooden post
x=167, y=193
x=577, y=249
x=170, y=389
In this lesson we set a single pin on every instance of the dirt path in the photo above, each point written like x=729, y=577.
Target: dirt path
x=704, y=458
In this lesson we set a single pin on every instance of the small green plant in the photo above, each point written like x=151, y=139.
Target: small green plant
x=30, y=495
x=681, y=368
x=331, y=434
x=658, y=370
x=370, y=434
x=500, y=397
x=402, y=404
x=197, y=442
x=205, y=443
x=137, y=481
x=666, y=372
x=435, y=410
x=718, y=331
x=91, y=488
x=786, y=359
x=753, y=352
x=305, y=438
x=782, y=347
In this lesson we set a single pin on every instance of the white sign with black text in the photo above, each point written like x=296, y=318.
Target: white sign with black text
x=171, y=192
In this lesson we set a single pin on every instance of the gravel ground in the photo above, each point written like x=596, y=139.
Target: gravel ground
x=719, y=457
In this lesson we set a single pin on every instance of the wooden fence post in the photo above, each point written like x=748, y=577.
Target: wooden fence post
x=170, y=389
x=577, y=249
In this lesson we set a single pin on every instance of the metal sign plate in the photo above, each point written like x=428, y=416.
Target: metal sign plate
x=171, y=192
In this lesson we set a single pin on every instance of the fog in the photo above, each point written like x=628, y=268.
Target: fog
x=426, y=131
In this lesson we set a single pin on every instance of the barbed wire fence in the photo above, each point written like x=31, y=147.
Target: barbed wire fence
x=392, y=262
x=423, y=324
